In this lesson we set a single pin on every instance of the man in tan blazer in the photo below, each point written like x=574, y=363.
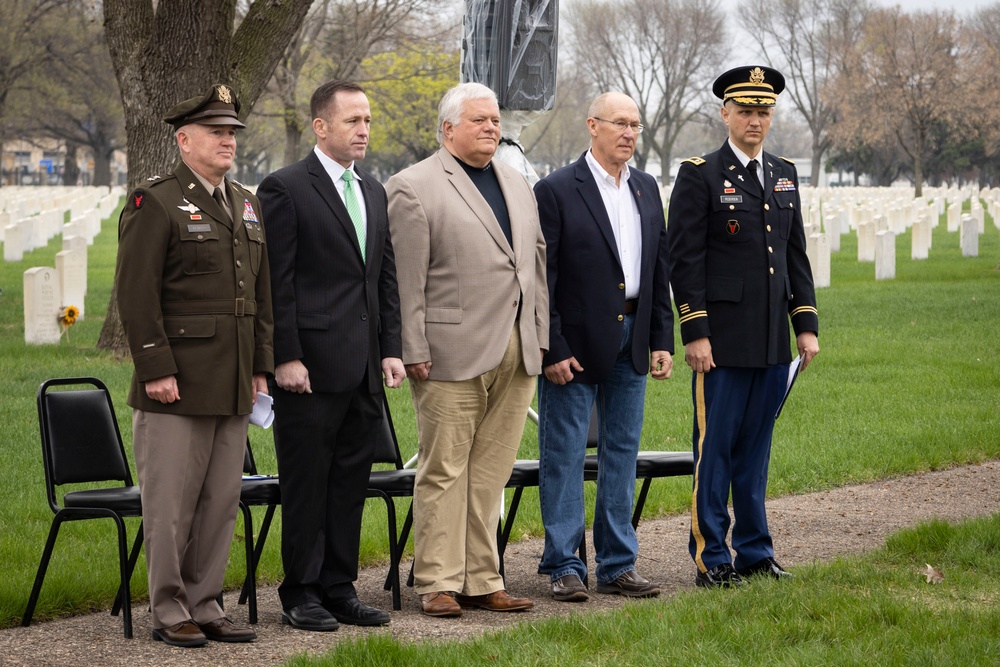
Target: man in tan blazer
x=470, y=258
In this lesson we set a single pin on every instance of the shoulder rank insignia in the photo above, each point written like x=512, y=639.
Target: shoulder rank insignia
x=154, y=178
x=696, y=161
x=786, y=159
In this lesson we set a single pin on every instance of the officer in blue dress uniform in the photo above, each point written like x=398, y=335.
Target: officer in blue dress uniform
x=739, y=272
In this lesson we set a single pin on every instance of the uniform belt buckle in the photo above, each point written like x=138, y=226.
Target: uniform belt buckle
x=241, y=307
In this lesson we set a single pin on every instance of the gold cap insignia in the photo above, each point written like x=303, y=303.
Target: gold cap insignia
x=756, y=75
x=226, y=96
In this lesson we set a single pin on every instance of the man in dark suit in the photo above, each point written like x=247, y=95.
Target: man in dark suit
x=739, y=271
x=337, y=332
x=609, y=325
x=194, y=300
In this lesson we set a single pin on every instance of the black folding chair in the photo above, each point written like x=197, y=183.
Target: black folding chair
x=387, y=485
x=81, y=444
x=258, y=491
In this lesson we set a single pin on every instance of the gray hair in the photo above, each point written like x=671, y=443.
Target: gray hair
x=451, y=105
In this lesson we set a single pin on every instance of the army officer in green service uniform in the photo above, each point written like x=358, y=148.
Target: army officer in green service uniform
x=195, y=301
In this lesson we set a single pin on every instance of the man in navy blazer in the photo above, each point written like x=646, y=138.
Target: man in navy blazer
x=610, y=324
x=337, y=333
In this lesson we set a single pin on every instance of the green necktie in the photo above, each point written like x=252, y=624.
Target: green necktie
x=354, y=209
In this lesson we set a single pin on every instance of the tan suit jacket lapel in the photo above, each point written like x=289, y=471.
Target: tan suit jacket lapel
x=475, y=200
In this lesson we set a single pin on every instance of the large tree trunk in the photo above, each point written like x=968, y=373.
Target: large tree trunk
x=169, y=51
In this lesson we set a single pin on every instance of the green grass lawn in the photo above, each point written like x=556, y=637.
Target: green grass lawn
x=872, y=610
x=906, y=381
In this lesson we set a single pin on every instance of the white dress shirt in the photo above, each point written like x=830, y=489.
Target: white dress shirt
x=624, y=216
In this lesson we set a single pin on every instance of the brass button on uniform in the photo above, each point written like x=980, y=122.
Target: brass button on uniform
x=181, y=332
x=791, y=204
x=200, y=237
x=238, y=264
x=770, y=249
x=767, y=207
x=732, y=208
x=771, y=270
x=769, y=228
x=241, y=284
x=236, y=241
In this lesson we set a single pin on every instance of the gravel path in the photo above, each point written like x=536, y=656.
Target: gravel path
x=806, y=528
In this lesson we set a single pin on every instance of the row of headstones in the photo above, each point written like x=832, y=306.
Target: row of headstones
x=48, y=290
x=877, y=231
x=28, y=233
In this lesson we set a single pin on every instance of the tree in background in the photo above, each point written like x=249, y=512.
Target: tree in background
x=902, y=81
x=663, y=53
x=74, y=97
x=169, y=50
x=804, y=40
x=404, y=88
x=31, y=36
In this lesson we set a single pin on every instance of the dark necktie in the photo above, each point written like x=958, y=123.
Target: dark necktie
x=752, y=168
x=217, y=196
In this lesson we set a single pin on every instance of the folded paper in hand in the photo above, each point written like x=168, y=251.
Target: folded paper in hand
x=262, y=414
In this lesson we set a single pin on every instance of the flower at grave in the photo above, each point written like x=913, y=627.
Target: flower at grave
x=68, y=315
x=67, y=318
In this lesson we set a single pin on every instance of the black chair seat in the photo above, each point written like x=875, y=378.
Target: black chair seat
x=664, y=464
x=525, y=473
x=123, y=500
x=260, y=491
x=394, y=483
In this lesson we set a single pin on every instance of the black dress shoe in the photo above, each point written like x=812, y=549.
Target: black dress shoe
x=352, y=611
x=309, y=616
x=720, y=576
x=767, y=566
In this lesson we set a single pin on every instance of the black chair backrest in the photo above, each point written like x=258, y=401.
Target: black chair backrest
x=80, y=437
x=386, y=445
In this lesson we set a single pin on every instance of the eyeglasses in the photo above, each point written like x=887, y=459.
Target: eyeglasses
x=622, y=125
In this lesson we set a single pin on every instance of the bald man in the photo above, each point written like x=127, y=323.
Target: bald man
x=610, y=325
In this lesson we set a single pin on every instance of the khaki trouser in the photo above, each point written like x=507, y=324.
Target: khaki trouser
x=469, y=433
x=189, y=471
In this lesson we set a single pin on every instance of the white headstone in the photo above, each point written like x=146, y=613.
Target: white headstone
x=921, y=235
x=42, y=303
x=818, y=250
x=13, y=244
x=954, y=216
x=866, y=242
x=71, y=266
x=885, y=255
x=832, y=229
x=970, y=236
x=5, y=220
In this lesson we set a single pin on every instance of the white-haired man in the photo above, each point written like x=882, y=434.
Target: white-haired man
x=470, y=258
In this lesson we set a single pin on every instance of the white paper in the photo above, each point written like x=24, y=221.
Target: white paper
x=793, y=372
x=262, y=414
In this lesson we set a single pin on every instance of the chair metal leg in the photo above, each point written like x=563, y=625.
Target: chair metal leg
x=125, y=588
x=637, y=512
x=395, y=554
x=250, y=582
x=43, y=566
x=257, y=551
x=132, y=560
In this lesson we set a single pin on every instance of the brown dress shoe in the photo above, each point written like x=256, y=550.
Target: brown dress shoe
x=499, y=600
x=630, y=584
x=224, y=630
x=185, y=634
x=569, y=589
x=439, y=603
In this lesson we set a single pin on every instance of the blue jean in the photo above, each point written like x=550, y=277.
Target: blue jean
x=563, y=420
